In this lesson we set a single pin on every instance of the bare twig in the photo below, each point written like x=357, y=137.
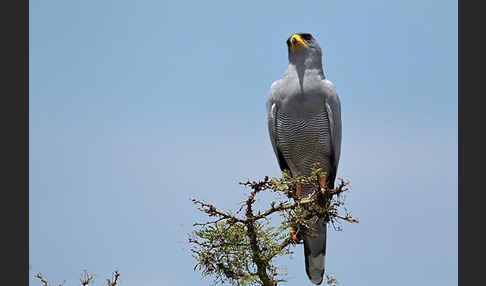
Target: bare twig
x=114, y=278
x=213, y=211
x=42, y=279
x=86, y=278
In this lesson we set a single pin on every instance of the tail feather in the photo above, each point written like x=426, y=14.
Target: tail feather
x=315, y=251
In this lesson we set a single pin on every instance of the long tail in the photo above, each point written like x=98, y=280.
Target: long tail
x=315, y=251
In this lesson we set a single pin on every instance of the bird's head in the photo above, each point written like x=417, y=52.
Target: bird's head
x=303, y=46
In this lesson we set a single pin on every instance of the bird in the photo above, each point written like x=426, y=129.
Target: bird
x=304, y=124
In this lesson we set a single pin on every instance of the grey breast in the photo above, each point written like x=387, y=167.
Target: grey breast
x=304, y=141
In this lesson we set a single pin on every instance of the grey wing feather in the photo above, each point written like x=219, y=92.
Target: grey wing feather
x=333, y=107
x=272, y=130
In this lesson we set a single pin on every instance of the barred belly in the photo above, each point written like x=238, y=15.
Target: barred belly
x=304, y=141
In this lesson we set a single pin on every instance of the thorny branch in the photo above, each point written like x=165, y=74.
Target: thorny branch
x=240, y=249
x=43, y=280
x=85, y=279
x=213, y=211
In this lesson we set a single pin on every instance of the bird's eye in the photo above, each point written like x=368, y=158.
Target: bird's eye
x=306, y=37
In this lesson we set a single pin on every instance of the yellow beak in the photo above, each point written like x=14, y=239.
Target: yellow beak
x=296, y=41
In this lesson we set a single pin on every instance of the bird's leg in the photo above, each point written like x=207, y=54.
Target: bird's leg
x=298, y=192
x=292, y=234
x=322, y=184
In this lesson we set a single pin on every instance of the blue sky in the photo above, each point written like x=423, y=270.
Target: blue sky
x=134, y=105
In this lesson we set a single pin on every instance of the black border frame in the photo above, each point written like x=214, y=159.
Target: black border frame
x=470, y=144
x=15, y=136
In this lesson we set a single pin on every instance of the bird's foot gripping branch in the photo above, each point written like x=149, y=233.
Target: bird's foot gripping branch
x=240, y=247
